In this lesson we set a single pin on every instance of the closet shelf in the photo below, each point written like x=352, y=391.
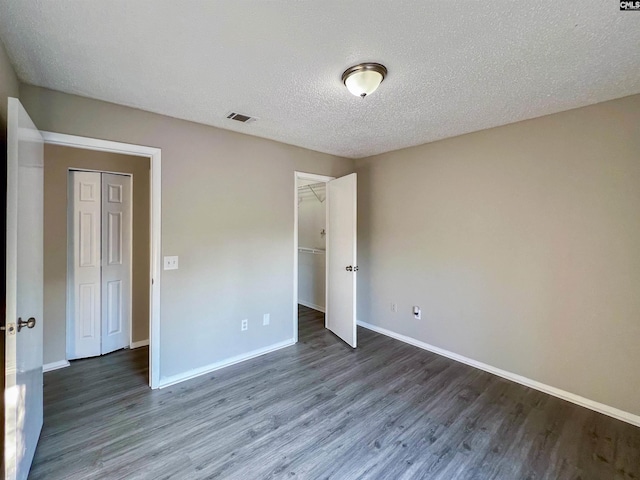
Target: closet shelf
x=316, y=188
x=315, y=251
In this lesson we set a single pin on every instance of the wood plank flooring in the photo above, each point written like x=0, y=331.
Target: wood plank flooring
x=320, y=410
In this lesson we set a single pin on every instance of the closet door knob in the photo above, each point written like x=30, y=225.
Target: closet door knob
x=349, y=268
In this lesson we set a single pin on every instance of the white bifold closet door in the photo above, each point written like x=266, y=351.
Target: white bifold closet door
x=99, y=306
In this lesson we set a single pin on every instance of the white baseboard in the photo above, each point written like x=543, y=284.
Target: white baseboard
x=311, y=305
x=141, y=343
x=556, y=392
x=55, y=365
x=196, y=372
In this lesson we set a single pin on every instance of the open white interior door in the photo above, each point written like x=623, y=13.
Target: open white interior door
x=23, y=348
x=341, y=258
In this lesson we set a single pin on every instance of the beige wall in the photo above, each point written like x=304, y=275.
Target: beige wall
x=9, y=87
x=57, y=162
x=520, y=243
x=227, y=212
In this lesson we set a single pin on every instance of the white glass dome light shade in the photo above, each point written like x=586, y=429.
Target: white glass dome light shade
x=363, y=83
x=362, y=80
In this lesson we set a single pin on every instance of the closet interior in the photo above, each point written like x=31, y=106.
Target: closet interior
x=311, y=244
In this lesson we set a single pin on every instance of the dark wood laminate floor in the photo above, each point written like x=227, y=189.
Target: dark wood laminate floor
x=320, y=410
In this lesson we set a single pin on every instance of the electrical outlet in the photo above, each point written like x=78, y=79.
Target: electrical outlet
x=394, y=307
x=244, y=325
x=417, y=313
x=266, y=318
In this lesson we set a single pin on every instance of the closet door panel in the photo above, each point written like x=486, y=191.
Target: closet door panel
x=84, y=289
x=114, y=307
x=114, y=239
x=116, y=261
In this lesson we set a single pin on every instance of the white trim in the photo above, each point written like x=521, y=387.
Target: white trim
x=316, y=178
x=47, y=367
x=196, y=372
x=311, y=305
x=55, y=138
x=141, y=343
x=77, y=169
x=155, y=156
x=527, y=382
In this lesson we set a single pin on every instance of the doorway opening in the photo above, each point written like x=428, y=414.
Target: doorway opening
x=325, y=267
x=143, y=165
x=312, y=258
x=96, y=257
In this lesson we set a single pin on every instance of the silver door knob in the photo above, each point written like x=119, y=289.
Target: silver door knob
x=26, y=323
x=349, y=268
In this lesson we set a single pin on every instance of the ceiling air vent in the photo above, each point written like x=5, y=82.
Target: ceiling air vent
x=239, y=117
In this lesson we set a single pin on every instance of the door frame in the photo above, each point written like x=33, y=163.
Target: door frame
x=318, y=178
x=155, y=159
x=69, y=265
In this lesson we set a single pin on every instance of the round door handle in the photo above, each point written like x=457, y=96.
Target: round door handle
x=26, y=323
x=349, y=268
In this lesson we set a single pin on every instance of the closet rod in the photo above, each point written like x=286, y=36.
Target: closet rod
x=314, y=185
x=315, y=251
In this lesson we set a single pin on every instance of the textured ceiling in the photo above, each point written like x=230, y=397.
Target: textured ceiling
x=454, y=67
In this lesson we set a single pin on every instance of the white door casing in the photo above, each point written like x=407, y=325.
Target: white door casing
x=341, y=257
x=116, y=261
x=155, y=277
x=84, y=290
x=23, y=349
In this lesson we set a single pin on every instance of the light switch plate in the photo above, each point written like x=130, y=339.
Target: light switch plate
x=171, y=263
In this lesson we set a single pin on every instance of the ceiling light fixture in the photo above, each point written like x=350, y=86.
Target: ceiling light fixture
x=363, y=79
